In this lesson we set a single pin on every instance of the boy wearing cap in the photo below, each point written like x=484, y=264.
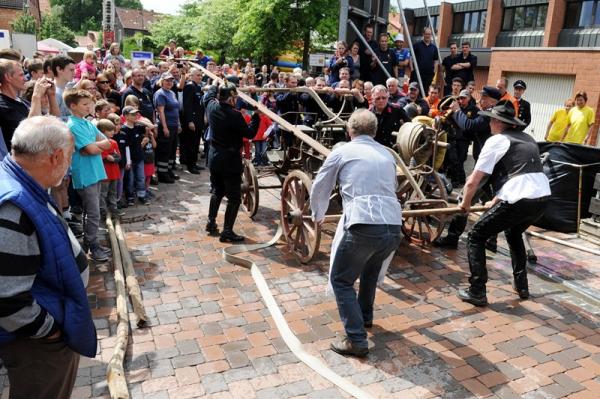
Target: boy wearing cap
x=511, y=159
x=524, y=114
x=135, y=134
x=402, y=54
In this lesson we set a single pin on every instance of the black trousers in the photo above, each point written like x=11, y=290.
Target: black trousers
x=166, y=149
x=189, y=146
x=513, y=220
x=226, y=185
x=458, y=224
x=427, y=79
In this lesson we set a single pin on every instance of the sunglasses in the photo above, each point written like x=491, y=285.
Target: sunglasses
x=104, y=82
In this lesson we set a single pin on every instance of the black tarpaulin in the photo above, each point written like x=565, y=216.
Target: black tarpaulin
x=561, y=213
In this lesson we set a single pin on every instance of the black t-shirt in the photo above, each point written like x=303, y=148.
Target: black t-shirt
x=146, y=105
x=425, y=55
x=12, y=112
x=389, y=61
x=123, y=142
x=135, y=135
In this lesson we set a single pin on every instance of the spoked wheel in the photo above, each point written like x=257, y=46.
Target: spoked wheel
x=250, y=189
x=422, y=230
x=302, y=234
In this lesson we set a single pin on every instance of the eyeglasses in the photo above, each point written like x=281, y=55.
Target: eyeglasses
x=103, y=82
x=380, y=98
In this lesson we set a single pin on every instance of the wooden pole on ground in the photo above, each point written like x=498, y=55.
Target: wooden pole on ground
x=115, y=373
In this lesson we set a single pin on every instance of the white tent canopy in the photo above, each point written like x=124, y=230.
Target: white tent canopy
x=57, y=44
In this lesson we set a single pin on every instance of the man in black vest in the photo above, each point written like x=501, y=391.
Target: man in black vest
x=225, y=160
x=193, y=121
x=511, y=159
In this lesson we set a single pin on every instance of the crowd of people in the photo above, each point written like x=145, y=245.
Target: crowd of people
x=84, y=139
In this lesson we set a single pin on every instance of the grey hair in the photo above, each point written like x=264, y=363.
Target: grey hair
x=379, y=88
x=391, y=80
x=362, y=121
x=194, y=70
x=40, y=135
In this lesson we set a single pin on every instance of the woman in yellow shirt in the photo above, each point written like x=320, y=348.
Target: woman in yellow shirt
x=558, y=122
x=581, y=119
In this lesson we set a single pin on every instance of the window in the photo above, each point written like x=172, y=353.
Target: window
x=582, y=14
x=525, y=17
x=469, y=22
x=423, y=22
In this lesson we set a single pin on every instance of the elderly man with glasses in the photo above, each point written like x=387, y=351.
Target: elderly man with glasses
x=389, y=116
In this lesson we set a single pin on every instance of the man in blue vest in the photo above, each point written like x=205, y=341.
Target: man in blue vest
x=45, y=319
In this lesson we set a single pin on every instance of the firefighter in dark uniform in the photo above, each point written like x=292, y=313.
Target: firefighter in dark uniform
x=524, y=107
x=464, y=138
x=511, y=159
x=389, y=116
x=478, y=127
x=193, y=121
x=225, y=160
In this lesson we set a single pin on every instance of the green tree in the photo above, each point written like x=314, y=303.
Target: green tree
x=135, y=4
x=83, y=15
x=271, y=27
x=52, y=27
x=25, y=23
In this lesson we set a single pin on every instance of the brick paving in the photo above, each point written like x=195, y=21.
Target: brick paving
x=211, y=335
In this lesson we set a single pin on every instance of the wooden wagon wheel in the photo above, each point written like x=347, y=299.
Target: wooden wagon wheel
x=250, y=196
x=422, y=230
x=302, y=234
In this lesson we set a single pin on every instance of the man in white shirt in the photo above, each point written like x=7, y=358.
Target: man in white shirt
x=511, y=159
x=369, y=230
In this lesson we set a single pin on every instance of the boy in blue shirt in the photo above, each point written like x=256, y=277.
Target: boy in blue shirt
x=87, y=169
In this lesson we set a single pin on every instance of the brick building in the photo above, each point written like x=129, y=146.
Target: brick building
x=11, y=9
x=553, y=45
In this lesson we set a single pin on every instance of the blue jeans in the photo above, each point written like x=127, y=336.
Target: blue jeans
x=361, y=252
x=260, y=150
x=137, y=180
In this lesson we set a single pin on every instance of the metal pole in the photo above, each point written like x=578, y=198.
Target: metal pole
x=342, y=33
x=412, y=49
x=364, y=41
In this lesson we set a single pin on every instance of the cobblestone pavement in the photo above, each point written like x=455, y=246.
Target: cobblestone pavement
x=211, y=335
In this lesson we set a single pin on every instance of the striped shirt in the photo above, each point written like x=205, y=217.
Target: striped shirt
x=20, y=261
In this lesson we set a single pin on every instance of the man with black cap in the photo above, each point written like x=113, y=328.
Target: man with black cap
x=478, y=128
x=524, y=107
x=225, y=161
x=511, y=159
x=414, y=97
x=456, y=153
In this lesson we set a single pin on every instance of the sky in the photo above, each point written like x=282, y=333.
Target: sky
x=172, y=6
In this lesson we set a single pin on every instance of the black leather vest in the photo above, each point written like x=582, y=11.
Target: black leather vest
x=522, y=157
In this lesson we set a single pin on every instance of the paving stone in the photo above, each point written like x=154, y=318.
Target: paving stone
x=331, y=393
x=188, y=347
x=213, y=383
x=264, y=365
x=237, y=359
x=568, y=383
x=243, y=373
x=187, y=360
x=287, y=391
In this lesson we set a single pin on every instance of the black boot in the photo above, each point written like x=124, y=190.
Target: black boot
x=211, y=227
x=165, y=178
x=172, y=175
x=230, y=215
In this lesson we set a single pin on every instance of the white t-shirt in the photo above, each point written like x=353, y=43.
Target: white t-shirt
x=528, y=185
